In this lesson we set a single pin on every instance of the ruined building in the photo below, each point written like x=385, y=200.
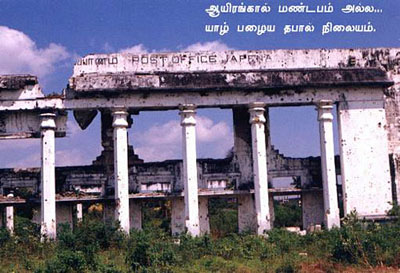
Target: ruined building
x=361, y=85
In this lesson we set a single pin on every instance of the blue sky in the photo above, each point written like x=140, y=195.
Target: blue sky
x=55, y=33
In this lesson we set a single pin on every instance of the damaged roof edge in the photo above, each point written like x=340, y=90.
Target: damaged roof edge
x=261, y=79
x=16, y=82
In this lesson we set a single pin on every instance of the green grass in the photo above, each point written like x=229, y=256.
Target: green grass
x=94, y=246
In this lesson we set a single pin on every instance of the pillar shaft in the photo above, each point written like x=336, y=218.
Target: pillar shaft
x=121, y=177
x=10, y=219
x=188, y=123
x=79, y=212
x=261, y=198
x=331, y=209
x=48, y=185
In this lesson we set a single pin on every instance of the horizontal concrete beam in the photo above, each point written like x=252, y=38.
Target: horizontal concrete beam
x=271, y=81
x=142, y=101
x=26, y=124
x=4, y=200
x=155, y=195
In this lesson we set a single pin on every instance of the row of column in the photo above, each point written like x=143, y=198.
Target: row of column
x=260, y=176
x=188, y=123
x=48, y=204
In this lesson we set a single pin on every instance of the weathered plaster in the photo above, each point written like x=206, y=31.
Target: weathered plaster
x=135, y=214
x=313, y=209
x=364, y=158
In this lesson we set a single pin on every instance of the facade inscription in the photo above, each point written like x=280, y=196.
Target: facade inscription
x=232, y=60
x=182, y=62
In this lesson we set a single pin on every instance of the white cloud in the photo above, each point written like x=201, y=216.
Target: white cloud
x=208, y=131
x=74, y=150
x=208, y=46
x=162, y=142
x=108, y=48
x=19, y=143
x=71, y=157
x=159, y=142
x=19, y=54
x=73, y=128
x=30, y=161
x=136, y=49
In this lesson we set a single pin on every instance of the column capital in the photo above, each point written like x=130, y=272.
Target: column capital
x=256, y=110
x=324, y=108
x=48, y=121
x=325, y=103
x=120, y=118
x=188, y=114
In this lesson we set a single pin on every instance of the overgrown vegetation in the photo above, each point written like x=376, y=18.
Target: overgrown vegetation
x=287, y=214
x=94, y=246
x=223, y=216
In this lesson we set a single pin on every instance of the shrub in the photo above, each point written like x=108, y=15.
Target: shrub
x=65, y=261
x=364, y=243
x=287, y=214
x=348, y=241
x=150, y=249
x=218, y=264
x=4, y=236
x=25, y=231
x=94, y=247
x=223, y=217
x=195, y=247
x=88, y=238
x=285, y=241
x=157, y=215
x=109, y=268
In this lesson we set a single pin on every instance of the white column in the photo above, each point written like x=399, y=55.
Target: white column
x=48, y=185
x=10, y=217
x=121, y=177
x=79, y=212
x=261, y=198
x=331, y=209
x=188, y=123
